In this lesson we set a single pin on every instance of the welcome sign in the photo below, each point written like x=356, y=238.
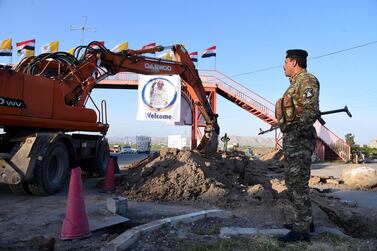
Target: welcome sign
x=159, y=98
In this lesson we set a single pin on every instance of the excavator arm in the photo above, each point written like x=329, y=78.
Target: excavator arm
x=79, y=76
x=132, y=61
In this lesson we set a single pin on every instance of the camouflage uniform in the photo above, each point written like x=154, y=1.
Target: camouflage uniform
x=299, y=140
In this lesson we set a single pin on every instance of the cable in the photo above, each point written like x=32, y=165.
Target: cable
x=312, y=58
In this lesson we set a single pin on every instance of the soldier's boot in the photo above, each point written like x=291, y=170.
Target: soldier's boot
x=295, y=236
x=290, y=226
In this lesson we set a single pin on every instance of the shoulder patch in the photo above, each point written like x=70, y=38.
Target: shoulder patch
x=308, y=93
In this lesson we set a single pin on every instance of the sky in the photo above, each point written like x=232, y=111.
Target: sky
x=250, y=35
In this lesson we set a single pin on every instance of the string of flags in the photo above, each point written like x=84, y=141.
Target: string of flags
x=27, y=49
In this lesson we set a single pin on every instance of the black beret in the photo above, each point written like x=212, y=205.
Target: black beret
x=296, y=53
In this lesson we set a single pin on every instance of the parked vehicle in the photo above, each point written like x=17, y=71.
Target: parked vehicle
x=127, y=150
x=143, y=144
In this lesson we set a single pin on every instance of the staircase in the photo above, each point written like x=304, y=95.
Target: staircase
x=329, y=145
x=240, y=95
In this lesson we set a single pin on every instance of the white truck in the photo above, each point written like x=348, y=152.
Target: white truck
x=143, y=144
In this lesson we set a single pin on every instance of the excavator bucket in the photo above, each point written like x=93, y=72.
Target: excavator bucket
x=210, y=139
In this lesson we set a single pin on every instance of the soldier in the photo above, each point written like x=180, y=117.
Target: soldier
x=296, y=113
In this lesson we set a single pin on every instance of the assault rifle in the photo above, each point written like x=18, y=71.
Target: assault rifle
x=345, y=109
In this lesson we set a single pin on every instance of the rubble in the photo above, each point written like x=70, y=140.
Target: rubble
x=359, y=177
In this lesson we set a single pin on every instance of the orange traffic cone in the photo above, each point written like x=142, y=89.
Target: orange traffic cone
x=75, y=224
x=109, y=184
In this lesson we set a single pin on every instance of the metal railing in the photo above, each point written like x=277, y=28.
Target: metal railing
x=338, y=145
x=234, y=88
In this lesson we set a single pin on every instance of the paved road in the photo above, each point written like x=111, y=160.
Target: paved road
x=334, y=169
x=362, y=198
x=127, y=158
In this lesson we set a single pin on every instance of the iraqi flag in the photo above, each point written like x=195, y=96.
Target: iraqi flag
x=26, y=48
x=194, y=56
x=210, y=52
x=149, y=46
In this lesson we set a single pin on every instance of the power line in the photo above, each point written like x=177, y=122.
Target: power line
x=348, y=49
x=320, y=56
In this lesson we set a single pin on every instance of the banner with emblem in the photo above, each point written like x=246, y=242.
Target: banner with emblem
x=159, y=98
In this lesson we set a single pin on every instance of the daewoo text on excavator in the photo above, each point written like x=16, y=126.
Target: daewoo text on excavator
x=43, y=102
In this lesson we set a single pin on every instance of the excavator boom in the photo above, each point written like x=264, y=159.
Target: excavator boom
x=66, y=82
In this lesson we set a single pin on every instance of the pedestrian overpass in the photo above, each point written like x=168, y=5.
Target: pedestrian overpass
x=329, y=145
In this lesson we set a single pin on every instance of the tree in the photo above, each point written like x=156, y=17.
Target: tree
x=350, y=139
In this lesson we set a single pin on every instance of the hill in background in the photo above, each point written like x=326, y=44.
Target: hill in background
x=241, y=140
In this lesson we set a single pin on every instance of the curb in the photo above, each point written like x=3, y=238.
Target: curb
x=129, y=237
x=234, y=231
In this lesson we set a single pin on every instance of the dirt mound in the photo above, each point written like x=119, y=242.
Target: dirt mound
x=186, y=175
x=273, y=155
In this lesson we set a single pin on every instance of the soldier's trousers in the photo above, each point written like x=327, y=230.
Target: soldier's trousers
x=298, y=147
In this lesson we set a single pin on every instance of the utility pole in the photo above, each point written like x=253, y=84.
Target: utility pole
x=83, y=29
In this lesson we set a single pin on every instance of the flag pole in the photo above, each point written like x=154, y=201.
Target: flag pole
x=215, y=62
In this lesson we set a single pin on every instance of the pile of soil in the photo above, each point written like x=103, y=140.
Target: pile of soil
x=273, y=155
x=176, y=175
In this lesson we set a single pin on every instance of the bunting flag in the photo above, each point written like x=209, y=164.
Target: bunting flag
x=210, y=52
x=194, y=56
x=26, y=48
x=120, y=47
x=50, y=47
x=94, y=46
x=6, y=47
x=148, y=46
x=169, y=55
x=71, y=51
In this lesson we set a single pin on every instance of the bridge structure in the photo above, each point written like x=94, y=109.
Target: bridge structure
x=329, y=145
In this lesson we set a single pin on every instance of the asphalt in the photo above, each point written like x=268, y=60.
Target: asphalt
x=367, y=199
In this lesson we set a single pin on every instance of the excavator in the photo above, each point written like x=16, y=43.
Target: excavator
x=47, y=128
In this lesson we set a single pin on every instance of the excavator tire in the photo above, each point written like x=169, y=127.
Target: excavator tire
x=20, y=189
x=51, y=172
x=101, y=159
